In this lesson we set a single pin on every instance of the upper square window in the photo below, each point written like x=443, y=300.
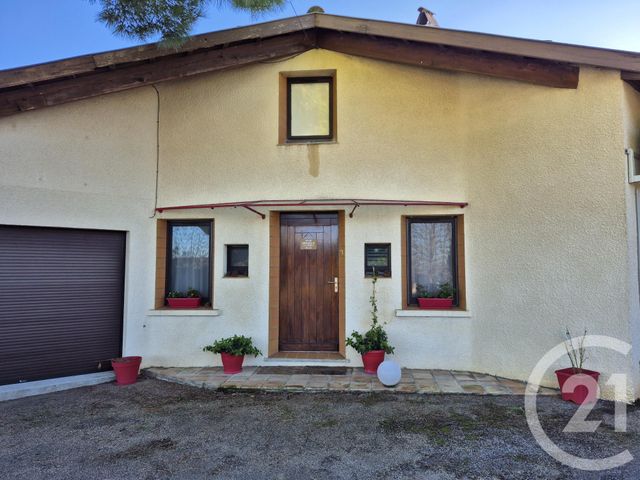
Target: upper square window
x=310, y=108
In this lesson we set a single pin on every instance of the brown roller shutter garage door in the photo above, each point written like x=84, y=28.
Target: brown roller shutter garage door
x=61, y=301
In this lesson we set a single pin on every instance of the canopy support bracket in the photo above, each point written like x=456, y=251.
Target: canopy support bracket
x=354, y=209
x=255, y=211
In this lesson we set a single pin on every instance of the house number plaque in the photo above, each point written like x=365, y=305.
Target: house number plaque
x=309, y=244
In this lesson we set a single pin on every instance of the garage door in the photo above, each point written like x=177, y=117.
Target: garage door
x=61, y=301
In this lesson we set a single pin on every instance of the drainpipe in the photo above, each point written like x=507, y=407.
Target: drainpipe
x=155, y=204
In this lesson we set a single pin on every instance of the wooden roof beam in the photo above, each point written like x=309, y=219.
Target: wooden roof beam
x=632, y=78
x=546, y=50
x=162, y=70
x=539, y=72
x=209, y=40
x=87, y=63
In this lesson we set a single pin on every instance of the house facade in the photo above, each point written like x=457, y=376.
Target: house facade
x=498, y=167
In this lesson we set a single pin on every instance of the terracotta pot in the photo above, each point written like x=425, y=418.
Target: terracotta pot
x=184, y=302
x=231, y=364
x=372, y=361
x=435, y=303
x=581, y=389
x=126, y=369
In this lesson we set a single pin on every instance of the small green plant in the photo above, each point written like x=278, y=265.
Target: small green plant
x=191, y=293
x=445, y=290
x=376, y=337
x=577, y=353
x=236, y=345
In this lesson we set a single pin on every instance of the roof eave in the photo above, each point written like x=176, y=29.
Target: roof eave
x=545, y=50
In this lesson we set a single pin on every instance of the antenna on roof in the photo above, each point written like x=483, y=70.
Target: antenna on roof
x=427, y=18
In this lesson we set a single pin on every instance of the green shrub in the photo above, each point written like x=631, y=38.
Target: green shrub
x=376, y=337
x=236, y=345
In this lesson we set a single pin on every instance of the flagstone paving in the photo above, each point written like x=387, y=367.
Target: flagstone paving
x=342, y=380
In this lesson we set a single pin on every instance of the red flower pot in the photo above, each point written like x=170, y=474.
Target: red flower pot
x=435, y=303
x=231, y=363
x=578, y=385
x=372, y=361
x=184, y=302
x=126, y=369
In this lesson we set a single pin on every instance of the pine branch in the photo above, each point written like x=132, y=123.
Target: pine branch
x=172, y=20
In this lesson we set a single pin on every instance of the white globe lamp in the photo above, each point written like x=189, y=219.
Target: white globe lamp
x=389, y=373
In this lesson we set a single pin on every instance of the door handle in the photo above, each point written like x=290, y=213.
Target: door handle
x=335, y=284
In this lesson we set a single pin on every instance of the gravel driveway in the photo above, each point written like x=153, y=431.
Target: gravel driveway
x=161, y=430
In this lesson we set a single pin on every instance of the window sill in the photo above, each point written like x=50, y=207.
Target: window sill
x=434, y=313
x=184, y=312
x=307, y=142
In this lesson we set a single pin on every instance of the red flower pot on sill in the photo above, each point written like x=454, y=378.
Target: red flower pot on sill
x=578, y=385
x=126, y=369
x=435, y=303
x=231, y=364
x=372, y=361
x=183, y=302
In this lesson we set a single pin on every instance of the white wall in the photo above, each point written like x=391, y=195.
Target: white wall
x=631, y=117
x=243, y=302
x=543, y=169
x=89, y=164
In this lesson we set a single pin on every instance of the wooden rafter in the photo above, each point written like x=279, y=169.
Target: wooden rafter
x=209, y=40
x=540, y=72
x=89, y=63
x=543, y=63
x=138, y=75
x=547, y=50
x=632, y=78
x=46, y=71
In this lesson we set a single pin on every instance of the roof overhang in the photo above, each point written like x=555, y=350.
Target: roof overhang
x=542, y=63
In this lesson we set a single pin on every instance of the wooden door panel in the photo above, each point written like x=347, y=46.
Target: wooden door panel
x=308, y=302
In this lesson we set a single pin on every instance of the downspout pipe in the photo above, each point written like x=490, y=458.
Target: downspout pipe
x=155, y=202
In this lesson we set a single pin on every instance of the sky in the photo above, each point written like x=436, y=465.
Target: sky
x=35, y=31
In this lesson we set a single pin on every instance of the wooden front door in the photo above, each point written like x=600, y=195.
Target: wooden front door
x=309, y=282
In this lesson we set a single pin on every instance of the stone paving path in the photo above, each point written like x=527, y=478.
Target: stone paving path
x=351, y=380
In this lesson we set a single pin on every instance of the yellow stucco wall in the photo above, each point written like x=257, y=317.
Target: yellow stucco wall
x=543, y=170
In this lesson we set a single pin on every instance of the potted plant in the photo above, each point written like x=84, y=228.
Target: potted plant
x=233, y=350
x=190, y=299
x=126, y=369
x=374, y=343
x=441, y=299
x=577, y=384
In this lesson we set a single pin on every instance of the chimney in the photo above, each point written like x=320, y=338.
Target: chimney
x=427, y=18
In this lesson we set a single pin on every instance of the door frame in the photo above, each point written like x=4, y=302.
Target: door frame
x=274, y=280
